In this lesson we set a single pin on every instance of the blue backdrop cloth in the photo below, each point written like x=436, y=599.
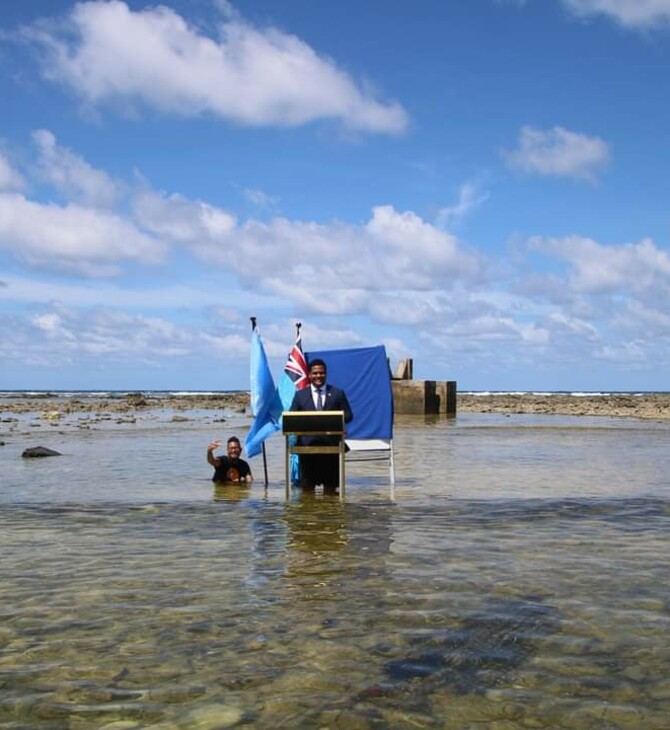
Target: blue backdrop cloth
x=363, y=373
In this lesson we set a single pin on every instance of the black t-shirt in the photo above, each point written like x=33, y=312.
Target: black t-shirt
x=230, y=470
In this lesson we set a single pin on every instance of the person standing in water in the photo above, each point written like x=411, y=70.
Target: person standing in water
x=320, y=396
x=229, y=469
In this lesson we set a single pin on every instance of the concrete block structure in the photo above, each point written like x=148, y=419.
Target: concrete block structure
x=424, y=397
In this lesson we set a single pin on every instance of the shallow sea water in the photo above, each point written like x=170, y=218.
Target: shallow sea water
x=517, y=580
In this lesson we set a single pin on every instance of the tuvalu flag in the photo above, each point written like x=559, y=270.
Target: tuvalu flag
x=295, y=375
x=266, y=405
x=293, y=378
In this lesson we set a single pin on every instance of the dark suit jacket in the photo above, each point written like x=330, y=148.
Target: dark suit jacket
x=336, y=400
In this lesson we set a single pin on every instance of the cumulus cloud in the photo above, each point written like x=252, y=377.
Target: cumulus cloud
x=51, y=324
x=607, y=302
x=59, y=334
x=71, y=175
x=355, y=264
x=393, y=268
x=648, y=321
x=72, y=237
x=108, y=53
x=558, y=152
x=182, y=220
x=392, y=250
x=640, y=268
x=642, y=14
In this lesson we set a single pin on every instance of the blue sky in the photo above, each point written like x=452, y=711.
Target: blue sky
x=481, y=185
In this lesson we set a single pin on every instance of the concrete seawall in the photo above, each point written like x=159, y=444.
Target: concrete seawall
x=424, y=397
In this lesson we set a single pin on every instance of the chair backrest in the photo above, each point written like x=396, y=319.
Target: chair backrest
x=363, y=373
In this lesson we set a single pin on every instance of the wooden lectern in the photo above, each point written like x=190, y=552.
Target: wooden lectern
x=314, y=423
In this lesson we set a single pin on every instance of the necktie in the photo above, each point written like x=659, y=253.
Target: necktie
x=319, y=400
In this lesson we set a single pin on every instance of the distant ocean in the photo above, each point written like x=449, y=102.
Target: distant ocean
x=108, y=393
x=198, y=393
x=574, y=393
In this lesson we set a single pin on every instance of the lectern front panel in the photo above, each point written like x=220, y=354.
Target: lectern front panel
x=312, y=422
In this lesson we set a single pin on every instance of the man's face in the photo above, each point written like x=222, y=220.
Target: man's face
x=317, y=376
x=234, y=450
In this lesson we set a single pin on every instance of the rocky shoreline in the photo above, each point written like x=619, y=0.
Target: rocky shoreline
x=648, y=406
x=21, y=414
x=236, y=401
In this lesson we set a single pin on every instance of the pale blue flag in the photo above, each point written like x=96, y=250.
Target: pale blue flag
x=265, y=402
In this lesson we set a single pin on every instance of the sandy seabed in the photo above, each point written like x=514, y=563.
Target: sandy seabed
x=646, y=405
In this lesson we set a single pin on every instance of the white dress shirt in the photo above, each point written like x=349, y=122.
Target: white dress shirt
x=315, y=395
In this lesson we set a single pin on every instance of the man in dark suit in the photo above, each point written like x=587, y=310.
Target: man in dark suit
x=320, y=468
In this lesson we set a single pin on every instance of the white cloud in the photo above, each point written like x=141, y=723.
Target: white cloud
x=260, y=199
x=610, y=302
x=628, y=13
x=628, y=354
x=10, y=179
x=640, y=268
x=182, y=220
x=401, y=231
x=393, y=269
x=558, y=152
x=73, y=176
x=72, y=237
x=392, y=250
x=469, y=198
x=464, y=337
x=573, y=325
x=52, y=325
x=107, y=52
x=60, y=334
x=647, y=321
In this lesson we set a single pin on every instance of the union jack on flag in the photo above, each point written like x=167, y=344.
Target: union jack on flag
x=296, y=366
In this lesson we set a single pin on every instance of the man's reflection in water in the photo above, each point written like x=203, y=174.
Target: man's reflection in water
x=333, y=548
x=316, y=523
x=231, y=492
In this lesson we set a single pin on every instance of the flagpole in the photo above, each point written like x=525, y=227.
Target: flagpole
x=265, y=465
x=265, y=460
x=294, y=457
